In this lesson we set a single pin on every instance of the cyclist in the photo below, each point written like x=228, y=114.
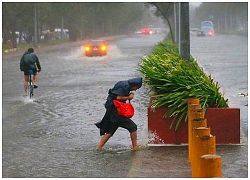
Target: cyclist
x=30, y=61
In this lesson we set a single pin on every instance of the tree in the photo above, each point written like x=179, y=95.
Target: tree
x=166, y=10
x=12, y=12
x=82, y=19
x=225, y=16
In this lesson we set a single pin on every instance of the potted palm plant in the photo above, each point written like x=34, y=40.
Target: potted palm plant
x=171, y=81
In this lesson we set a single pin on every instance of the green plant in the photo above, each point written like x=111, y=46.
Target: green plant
x=173, y=80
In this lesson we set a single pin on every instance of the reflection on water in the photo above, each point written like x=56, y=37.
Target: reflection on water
x=53, y=135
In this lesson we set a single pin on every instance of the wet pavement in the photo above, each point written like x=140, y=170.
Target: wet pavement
x=54, y=135
x=226, y=58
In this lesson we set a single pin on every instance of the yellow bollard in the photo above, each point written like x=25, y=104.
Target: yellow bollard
x=192, y=115
x=199, y=122
x=210, y=166
x=203, y=144
x=193, y=103
x=197, y=132
x=196, y=120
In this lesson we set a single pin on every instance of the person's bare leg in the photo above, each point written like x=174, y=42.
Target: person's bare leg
x=26, y=78
x=133, y=136
x=103, y=140
x=35, y=79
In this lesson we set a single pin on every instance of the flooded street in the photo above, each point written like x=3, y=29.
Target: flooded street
x=54, y=134
x=226, y=59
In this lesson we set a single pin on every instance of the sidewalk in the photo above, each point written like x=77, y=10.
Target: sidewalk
x=230, y=70
x=39, y=49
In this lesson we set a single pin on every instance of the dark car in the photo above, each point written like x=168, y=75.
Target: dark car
x=200, y=33
x=96, y=48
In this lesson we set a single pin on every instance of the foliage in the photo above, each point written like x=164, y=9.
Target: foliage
x=166, y=10
x=83, y=19
x=225, y=15
x=173, y=80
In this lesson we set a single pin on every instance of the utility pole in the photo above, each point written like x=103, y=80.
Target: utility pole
x=35, y=26
x=184, y=41
x=62, y=28
x=176, y=22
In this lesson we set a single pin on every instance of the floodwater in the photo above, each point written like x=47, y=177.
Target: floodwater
x=54, y=134
x=226, y=59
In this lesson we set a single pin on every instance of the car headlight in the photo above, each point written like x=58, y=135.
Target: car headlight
x=103, y=48
x=87, y=48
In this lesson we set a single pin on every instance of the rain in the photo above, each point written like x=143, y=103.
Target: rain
x=53, y=135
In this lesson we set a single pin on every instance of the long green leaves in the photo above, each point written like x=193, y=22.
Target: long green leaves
x=173, y=80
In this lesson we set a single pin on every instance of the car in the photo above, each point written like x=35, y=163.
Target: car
x=96, y=48
x=138, y=32
x=145, y=31
x=194, y=31
x=155, y=30
x=208, y=28
x=200, y=33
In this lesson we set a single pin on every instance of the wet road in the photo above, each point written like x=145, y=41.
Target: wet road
x=226, y=58
x=54, y=135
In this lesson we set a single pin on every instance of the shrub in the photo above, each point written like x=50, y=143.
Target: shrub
x=173, y=80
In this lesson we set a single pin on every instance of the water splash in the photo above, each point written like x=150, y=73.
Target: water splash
x=27, y=100
x=153, y=138
x=78, y=53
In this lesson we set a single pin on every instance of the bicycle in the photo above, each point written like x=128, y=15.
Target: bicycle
x=30, y=84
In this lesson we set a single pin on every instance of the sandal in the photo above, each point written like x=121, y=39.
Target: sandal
x=35, y=86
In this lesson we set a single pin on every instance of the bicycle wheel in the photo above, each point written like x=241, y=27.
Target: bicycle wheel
x=30, y=87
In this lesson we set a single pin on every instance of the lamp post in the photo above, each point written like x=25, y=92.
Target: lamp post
x=35, y=26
